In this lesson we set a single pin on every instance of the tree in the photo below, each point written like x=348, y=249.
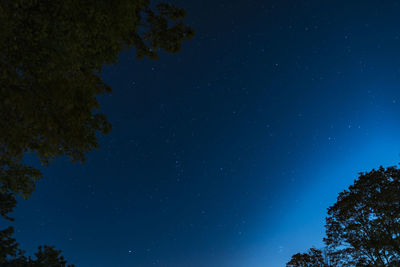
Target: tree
x=51, y=55
x=312, y=258
x=8, y=245
x=46, y=256
x=364, y=224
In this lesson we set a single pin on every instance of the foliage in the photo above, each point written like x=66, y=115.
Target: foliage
x=364, y=223
x=363, y=226
x=46, y=256
x=51, y=56
x=8, y=245
x=312, y=258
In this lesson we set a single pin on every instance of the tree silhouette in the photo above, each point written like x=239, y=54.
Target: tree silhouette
x=8, y=245
x=363, y=226
x=46, y=256
x=51, y=55
x=312, y=258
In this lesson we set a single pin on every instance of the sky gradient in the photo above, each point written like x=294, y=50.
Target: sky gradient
x=229, y=152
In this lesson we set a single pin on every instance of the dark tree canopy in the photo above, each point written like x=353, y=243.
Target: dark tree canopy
x=8, y=245
x=46, y=256
x=12, y=256
x=51, y=55
x=364, y=224
x=317, y=258
x=312, y=258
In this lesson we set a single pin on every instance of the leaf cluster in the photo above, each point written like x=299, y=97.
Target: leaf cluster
x=364, y=223
x=51, y=56
x=12, y=256
x=312, y=258
x=363, y=226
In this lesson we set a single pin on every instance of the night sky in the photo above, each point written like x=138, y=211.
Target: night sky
x=229, y=152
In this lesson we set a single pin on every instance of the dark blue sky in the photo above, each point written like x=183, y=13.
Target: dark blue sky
x=230, y=152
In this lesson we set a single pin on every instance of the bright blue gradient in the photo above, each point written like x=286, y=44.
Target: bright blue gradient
x=230, y=152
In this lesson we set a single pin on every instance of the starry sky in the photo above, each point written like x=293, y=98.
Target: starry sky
x=230, y=152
